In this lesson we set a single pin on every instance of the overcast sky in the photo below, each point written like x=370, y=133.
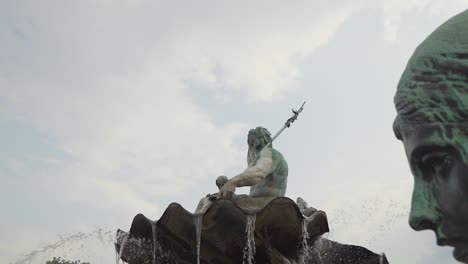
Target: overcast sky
x=109, y=108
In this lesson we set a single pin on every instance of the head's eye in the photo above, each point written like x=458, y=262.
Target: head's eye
x=438, y=163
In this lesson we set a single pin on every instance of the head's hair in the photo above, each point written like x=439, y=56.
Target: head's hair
x=434, y=86
x=258, y=137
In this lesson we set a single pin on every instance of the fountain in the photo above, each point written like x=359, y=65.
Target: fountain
x=232, y=231
x=241, y=230
x=262, y=227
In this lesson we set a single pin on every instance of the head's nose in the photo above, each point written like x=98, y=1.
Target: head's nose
x=421, y=222
x=425, y=213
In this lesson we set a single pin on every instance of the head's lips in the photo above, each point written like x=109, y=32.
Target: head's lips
x=460, y=246
x=461, y=253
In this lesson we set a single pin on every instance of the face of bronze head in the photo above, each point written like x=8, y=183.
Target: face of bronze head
x=432, y=122
x=257, y=138
x=440, y=195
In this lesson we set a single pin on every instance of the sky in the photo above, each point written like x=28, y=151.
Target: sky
x=109, y=108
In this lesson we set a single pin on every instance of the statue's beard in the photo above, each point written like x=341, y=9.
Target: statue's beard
x=252, y=154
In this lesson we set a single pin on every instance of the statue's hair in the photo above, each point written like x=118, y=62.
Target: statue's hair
x=258, y=137
x=434, y=85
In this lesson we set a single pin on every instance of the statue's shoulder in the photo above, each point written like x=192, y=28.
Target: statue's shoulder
x=275, y=153
x=270, y=152
x=277, y=156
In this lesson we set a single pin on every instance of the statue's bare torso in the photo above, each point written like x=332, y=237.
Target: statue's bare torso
x=267, y=176
x=267, y=171
x=275, y=183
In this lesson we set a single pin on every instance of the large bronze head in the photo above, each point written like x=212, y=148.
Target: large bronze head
x=432, y=122
x=257, y=138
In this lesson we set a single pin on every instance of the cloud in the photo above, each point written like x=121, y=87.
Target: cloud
x=109, y=82
x=259, y=55
x=394, y=11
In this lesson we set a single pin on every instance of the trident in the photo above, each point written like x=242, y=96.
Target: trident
x=286, y=125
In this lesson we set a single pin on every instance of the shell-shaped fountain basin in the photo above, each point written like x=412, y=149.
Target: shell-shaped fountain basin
x=278, y=226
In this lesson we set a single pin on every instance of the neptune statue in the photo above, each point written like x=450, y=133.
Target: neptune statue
x=261, y=227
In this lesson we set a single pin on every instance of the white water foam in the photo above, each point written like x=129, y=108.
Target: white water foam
x=249, y=248
x=304, y=253
x=94, y=246
x=198, y=221
x=122, y=246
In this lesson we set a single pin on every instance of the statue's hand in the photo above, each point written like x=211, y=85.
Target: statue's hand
x=227, y=191
x=220, y=181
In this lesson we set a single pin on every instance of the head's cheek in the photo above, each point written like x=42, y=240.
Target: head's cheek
x=461, y=144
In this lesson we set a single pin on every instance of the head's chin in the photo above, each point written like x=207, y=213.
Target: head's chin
x=460, y=253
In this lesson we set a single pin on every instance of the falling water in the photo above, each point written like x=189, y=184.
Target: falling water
x=381, y=258
x=197, y=221
x=304, y=253
x=94, y=241
x=317, y=248
x=153, y=227
x=249, y=248
x=319, y=255
x=122, y=246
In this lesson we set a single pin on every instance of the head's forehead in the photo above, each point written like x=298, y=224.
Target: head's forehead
x=258, y=133
x=434, y=85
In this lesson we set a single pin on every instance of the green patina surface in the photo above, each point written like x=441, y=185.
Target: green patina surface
x=275, y=183
x=433, y=90
x=432, y=96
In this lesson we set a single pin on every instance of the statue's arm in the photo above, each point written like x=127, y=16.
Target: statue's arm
x=255, y=174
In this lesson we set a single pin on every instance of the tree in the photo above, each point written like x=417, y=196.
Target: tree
x=62, y=261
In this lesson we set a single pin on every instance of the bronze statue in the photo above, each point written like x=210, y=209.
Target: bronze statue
x=267, y=171
x=432, y=122
x=262, y=227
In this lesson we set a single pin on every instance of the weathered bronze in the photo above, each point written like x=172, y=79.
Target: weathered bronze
x=262, y=227
x=267, y=172
x=432, y=122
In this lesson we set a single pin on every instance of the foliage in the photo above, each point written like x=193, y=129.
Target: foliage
x=62, y=261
